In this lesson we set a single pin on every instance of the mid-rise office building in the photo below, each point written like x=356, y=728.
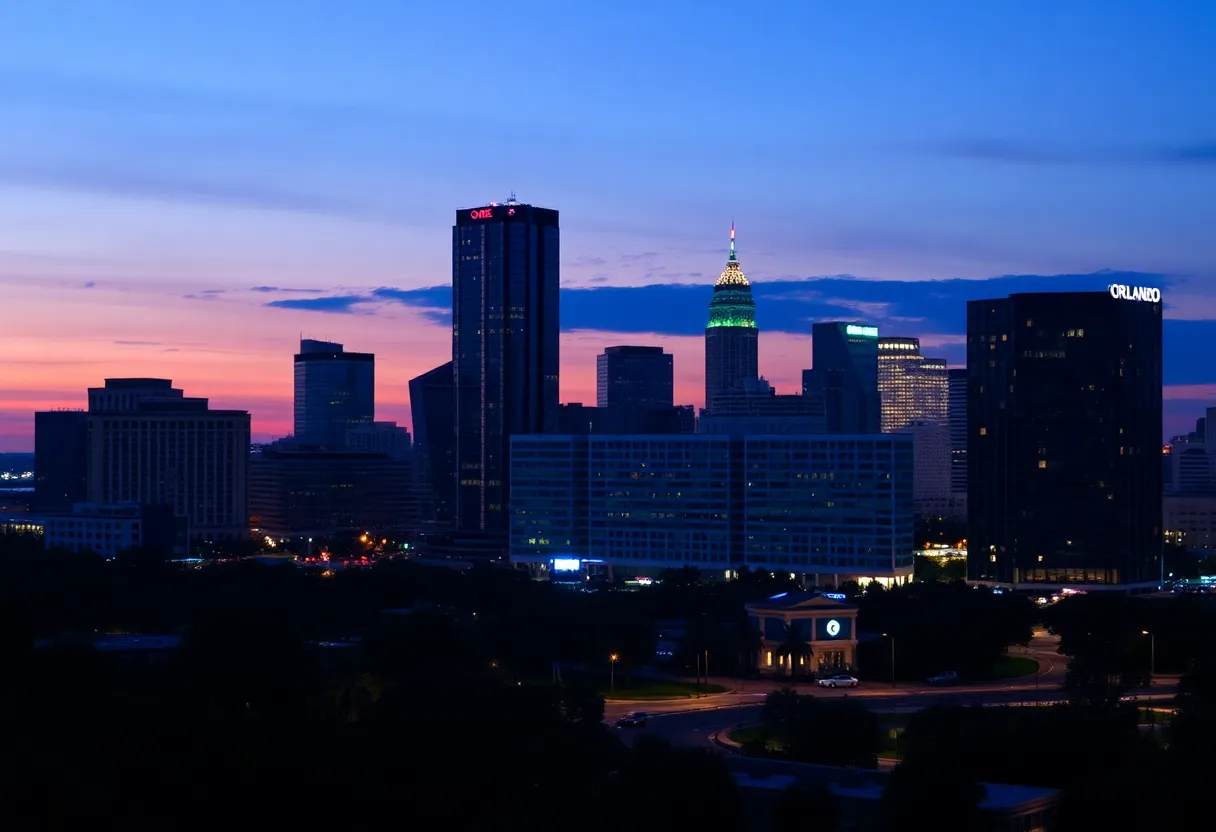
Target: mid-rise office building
x=731, y=337
x=150, y=444
x=61, y=459
x=1190, y=470
x=1190, y=520
x=956, y=414
x=298, y=493
x=911, y=388
x=1064, y=439
x=831, y=508
x=505, y=326
x=335, y=393
x=931, y=495
x=844, y=371
x=634, y=378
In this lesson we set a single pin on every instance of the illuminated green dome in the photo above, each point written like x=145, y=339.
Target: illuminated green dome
x=732, y=304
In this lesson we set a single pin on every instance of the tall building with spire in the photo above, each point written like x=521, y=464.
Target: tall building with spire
x=731, y=336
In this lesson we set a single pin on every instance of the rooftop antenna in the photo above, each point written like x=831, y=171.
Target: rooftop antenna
x=732, y=239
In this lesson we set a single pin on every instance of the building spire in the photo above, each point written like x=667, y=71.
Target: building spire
x=732, y=240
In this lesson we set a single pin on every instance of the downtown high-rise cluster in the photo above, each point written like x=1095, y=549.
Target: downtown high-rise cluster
x=1048, y=442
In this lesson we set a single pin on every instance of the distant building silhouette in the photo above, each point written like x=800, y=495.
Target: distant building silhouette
x=637, y=378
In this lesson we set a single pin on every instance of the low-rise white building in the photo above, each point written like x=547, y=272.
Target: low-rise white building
x=109, y=529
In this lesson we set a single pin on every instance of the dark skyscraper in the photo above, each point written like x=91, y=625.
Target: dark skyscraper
x=1064, y=439
x=505, y=273
x=844, y=370
x=61, y=459
x=432, y=410
x=335, y=391
x=638, y=378
x=731, y=337
x=956, y=414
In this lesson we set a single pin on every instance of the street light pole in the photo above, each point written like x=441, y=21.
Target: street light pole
x=612, y=674
x=1152, y=654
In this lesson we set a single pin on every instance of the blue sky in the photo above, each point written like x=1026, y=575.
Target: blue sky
x=165, y=153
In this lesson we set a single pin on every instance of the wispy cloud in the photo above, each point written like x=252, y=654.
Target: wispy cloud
x=285, y=290
x=138, y=343
x=337, y=305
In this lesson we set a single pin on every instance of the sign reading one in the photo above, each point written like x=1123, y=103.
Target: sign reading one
x=863, y=331
x=1143, y=293
x=487, y=213
x=833, y=628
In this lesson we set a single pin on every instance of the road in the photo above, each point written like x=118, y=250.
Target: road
x=693, y=722
x=1042, y=649
x=697, y=727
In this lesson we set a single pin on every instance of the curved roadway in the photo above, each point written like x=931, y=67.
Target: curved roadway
x=695, y=722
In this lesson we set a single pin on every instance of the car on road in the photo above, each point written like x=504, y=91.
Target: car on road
x=633, y=720
x=946, y=677
x=839, y=680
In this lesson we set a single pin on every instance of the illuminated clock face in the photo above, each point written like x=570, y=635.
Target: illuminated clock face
x=833, y=628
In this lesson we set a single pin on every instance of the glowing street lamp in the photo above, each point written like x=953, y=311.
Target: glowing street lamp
x=612, y=659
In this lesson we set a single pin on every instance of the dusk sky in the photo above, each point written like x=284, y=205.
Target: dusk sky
x=186, y=188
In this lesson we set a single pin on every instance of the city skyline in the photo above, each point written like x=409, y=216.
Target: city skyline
x=166, y=215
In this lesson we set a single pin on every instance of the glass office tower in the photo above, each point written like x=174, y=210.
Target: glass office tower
x=505, y=273
x=844, y=370
x=335, y=391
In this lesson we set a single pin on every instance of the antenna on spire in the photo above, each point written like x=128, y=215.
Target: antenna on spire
x=732, y=239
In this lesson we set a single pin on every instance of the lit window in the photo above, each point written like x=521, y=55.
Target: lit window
x=1042, y=463
x=983, y=431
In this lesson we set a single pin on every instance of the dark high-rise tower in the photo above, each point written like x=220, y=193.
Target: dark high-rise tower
x=335, y=391
x=432, y=409
x=637, y=378
x=844, y=370
x=1064, y=439
x=61, y=459
x=505, y=272
x=731, y=337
